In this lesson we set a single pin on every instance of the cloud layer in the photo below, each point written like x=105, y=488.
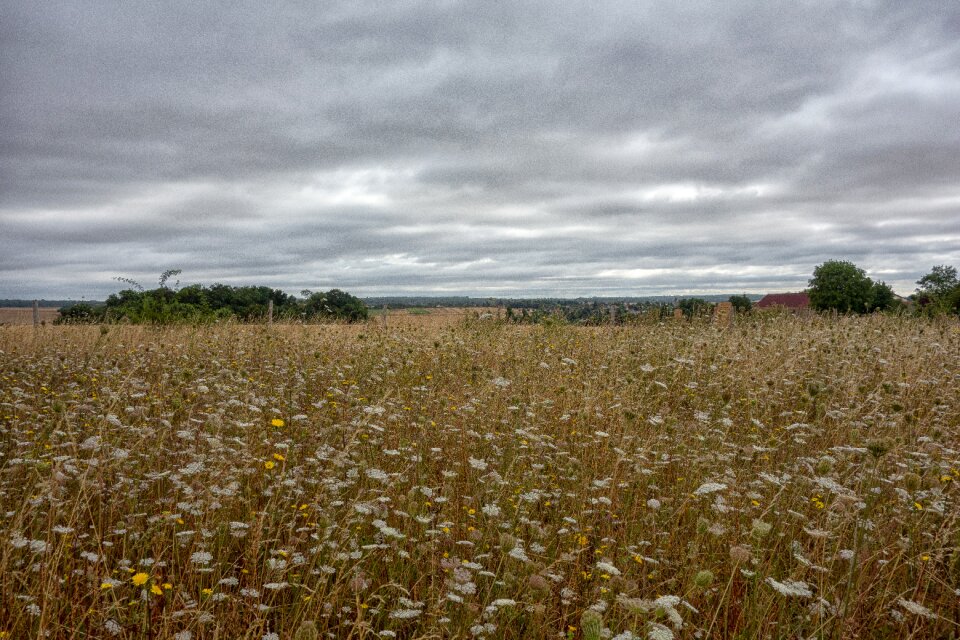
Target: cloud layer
x=467, y=147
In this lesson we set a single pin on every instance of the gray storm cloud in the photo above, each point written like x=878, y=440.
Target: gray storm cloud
x=558, y=149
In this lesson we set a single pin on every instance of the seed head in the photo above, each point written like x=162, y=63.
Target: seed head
x=703, y=579
x=307, y=631
x=591, y=623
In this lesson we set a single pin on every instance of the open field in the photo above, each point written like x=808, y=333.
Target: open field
x=24, y=315
x=785, y=478
x=428, y=317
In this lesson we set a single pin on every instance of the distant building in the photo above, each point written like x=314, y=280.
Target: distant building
x=792, y=301
x=904, y=301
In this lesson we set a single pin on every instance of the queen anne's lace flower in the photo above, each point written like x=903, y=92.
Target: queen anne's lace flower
x=709, y=487
x=916, y=608
x=790, y=588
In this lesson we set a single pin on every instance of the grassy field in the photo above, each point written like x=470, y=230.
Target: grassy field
x=784, y=478
x=24, y=315
x=434, y=318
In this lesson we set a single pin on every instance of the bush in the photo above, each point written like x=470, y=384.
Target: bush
x=199, y=304
x=742, y=304
x=80, y=313
x=337, y=305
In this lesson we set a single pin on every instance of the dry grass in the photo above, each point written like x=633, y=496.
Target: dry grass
x=427, y=318
x=24, y=315
x=783, y=479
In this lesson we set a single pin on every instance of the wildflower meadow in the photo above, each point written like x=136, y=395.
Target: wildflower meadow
x=785, y=477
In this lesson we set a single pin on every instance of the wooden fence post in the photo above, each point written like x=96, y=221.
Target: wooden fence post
x=270, y=312
x=36, y=314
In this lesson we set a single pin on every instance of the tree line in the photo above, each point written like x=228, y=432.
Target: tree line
x=197, y=303
x=836, y=286
x=841, y=286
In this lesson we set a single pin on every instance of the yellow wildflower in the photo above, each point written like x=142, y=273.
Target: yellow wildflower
x=278, y=457
x=269, y=464
x=140, y=579
x=277, y=422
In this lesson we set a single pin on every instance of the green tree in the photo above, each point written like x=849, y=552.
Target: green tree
x=741, y=303
x=335, y=304
x=883, y=298
x=952, y=301
x=938, y=284
x=838, y=285
x=197, y=303
x=937, y=290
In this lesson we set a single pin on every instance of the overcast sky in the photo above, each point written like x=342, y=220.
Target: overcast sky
x=480, y=148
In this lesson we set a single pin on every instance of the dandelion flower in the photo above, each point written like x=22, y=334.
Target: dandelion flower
x=277, y=422
x=269, y=464
x=140, y=579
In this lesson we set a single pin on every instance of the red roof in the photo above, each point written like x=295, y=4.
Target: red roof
x=788, y=300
